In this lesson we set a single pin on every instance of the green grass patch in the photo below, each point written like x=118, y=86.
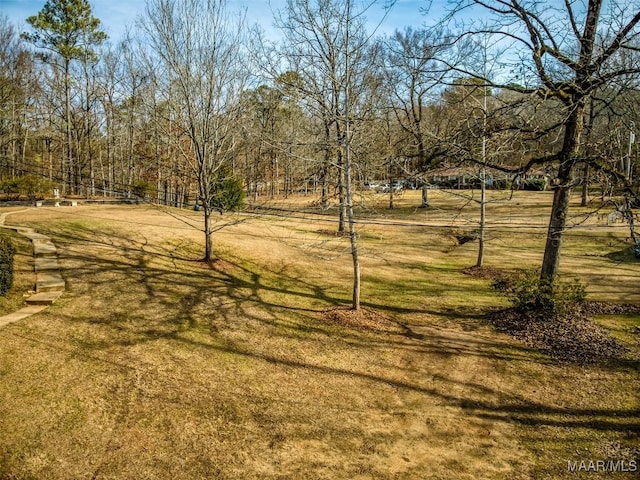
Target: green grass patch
x=625, y=328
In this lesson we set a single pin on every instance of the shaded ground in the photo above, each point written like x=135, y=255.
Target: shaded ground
x=24, y=278
x=154, y=365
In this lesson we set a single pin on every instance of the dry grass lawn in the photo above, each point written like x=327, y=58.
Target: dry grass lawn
x=154, y=365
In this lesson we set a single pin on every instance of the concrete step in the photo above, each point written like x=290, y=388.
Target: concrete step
x=42, y=248
x=31, y=235
x=42, y=264
x=49, y=282
x=20, y=314
x=44, y=298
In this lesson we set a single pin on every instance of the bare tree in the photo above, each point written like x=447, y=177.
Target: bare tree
x=414, y=78
x=198, y=45
x=315, y=45
x=565, y=52
x=325, y=43
x=18, y=86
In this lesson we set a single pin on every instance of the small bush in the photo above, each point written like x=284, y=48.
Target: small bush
x=227, y=191
x=526, y=291
x=35, y=187
x=31, y=186
x=535, y=184
x=501, y=184
x=11, y=188
x=143, y=188
x=7, y=251
x=555, y=320
x=464, y=236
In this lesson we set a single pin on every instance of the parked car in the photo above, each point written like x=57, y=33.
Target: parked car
x=395, y=186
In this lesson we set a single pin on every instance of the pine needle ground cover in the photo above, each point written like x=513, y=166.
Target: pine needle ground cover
x=156, y=365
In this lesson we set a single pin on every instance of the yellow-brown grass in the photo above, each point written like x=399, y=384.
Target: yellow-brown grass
x=156, y=365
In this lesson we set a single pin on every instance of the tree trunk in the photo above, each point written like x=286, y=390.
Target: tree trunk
x=585, y=187
x=324, y=199
x=483, y=217
x=67, y=169
x=342, y=205
x=562, y=194
x=353, y=236
x=208, y=240
x=551, y=259
x=348, y=183
x=425, y=197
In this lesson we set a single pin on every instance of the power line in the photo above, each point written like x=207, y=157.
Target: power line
x=441, y=227
x=311, y=216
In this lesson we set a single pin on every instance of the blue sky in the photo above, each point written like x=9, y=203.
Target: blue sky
x=115, y=15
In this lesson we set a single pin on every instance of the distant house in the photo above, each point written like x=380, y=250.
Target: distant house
x=466, y=177
x=532, y=180
x=463, y=177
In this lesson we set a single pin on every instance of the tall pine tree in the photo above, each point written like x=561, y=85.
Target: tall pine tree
x=66, y=30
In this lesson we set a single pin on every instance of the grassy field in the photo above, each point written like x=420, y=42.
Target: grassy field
x=154, y=365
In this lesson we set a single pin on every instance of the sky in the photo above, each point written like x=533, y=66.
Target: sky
x=116, y=15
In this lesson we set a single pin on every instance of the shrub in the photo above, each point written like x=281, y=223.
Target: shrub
x=227, y=192
x=526, y=291
x=31, y=186
x=11, y=188
x=501, y=184
x=7, y=251
x=465, y=236
x=34, y=187
x=535, y=184
x=142, y=188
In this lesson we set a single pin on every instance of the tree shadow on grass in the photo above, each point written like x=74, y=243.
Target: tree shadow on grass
x=228, y=291
x=230, y=288
x=478, y=400
x=173, y=299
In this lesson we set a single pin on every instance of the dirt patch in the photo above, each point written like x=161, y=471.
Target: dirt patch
x=485, y=273
x=572, y=338
x=363, y=319
x=333, y=233
x=220, y=265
